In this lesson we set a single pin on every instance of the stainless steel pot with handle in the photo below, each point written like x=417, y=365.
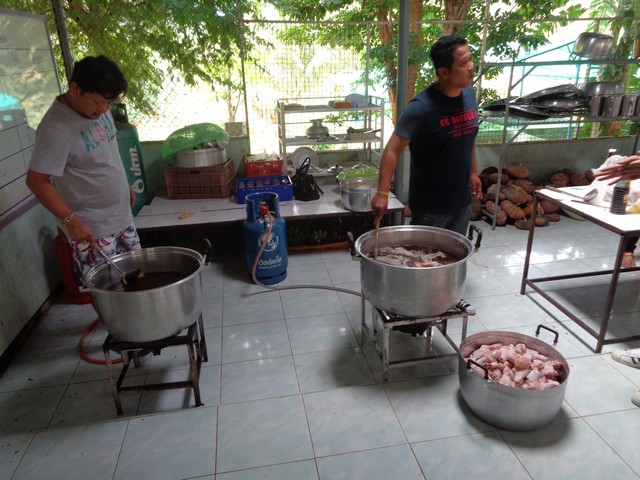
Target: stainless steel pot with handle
x=508, y=407
x=414, y=291
x=156, y=313
x=356, y=193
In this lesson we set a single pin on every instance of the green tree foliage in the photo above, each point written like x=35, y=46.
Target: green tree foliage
x=191, y=40
x=513, y=29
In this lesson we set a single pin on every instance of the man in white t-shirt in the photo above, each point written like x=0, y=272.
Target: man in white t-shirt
x=76, y=171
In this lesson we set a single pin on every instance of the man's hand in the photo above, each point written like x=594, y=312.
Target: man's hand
x=476, y=186
x=379, y=205
x=626, y=169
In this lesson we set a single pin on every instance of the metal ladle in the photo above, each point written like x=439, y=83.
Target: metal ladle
x=586, y=198
x=132, y=275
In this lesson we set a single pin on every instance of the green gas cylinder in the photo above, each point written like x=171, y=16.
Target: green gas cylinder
x=131, y=154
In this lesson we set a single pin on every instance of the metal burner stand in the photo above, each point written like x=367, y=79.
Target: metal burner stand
x=389, y=321
x=192, y=337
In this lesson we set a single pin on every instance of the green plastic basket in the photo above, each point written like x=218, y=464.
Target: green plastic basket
x=192, y=137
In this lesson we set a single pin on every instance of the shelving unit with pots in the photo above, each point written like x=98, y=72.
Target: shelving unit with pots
x=513, y=125
x=325, y=125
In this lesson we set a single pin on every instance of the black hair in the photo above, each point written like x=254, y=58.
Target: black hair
x=99, y=75
x=442, y=51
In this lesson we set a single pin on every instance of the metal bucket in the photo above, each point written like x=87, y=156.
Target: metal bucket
x=414, y=291
x=154, y=314
x=508, y=407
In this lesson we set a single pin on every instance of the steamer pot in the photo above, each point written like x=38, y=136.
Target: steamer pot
x=154, y=314
x=509, y=407
x=414, y=291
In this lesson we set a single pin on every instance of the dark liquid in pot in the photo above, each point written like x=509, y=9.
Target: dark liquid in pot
x=414, y=256
x=147, y=281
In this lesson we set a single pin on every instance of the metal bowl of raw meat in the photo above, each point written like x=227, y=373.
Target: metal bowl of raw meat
x=519, y=408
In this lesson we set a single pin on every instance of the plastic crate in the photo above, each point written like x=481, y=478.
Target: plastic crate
x=201, y=182
x=280, y=184
x=263, y=168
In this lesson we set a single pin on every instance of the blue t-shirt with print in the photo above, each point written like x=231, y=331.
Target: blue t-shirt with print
x=442, y=131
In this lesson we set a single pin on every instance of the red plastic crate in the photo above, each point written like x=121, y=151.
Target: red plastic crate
x=203, y=182
x=264, y=168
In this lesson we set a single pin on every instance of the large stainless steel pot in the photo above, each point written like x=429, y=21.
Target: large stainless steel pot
x=154, y=314
x=414, y=291
x=509, y=407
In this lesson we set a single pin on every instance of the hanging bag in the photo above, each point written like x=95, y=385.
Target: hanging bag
x=304, y=186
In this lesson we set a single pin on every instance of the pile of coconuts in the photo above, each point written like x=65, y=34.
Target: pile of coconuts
x=514, y=204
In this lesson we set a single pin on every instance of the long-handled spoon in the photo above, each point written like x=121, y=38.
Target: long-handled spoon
x=375, y=250
x=132, y=275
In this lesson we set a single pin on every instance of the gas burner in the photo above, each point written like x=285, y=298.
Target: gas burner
x=192, y=337
x=422, y=327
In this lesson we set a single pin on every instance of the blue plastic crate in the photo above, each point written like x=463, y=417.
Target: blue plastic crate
x=280, y=184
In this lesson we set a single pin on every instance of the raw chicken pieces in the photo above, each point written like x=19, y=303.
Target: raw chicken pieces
x=517, y=366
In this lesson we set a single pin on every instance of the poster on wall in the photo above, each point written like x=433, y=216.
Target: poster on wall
x=28, y=84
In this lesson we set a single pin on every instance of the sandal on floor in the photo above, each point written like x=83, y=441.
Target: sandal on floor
x=628, y=260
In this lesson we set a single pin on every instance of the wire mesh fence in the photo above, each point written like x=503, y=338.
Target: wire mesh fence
x=194, y=62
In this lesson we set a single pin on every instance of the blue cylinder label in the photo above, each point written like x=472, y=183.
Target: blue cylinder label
x=271, y=246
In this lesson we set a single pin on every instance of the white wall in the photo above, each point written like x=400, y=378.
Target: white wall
x=29, y=270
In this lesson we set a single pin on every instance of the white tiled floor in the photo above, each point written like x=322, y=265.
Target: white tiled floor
x=289, y=392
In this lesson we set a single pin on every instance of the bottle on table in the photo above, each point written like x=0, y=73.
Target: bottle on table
x=620, y=197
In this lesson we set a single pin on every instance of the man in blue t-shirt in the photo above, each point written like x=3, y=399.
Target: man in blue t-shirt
x=439, y=125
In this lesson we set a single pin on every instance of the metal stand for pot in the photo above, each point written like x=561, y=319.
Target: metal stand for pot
x=192, y=337
x=390, y=321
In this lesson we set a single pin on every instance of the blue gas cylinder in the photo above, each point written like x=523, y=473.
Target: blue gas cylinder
x=273, y=261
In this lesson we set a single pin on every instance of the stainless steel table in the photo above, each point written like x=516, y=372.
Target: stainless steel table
x=623, y=225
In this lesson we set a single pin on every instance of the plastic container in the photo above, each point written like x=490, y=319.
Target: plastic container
x=280, y=184
x=203, y=182
x=263, y=168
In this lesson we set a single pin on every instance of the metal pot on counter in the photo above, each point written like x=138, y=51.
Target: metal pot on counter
x=144, y=315
x=504, y=406
x=414, y=291
x=202, y=157
x=356, y=193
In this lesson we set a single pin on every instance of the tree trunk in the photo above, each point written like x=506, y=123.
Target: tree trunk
x=455, y=10
x=386, y=35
